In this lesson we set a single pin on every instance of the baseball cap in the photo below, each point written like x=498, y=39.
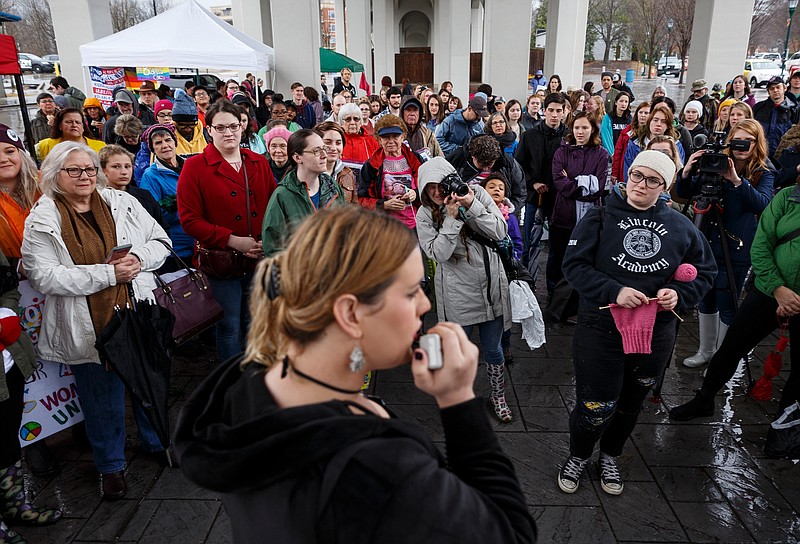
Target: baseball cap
x=774, y=80
x=615, y=77
x=478, y=105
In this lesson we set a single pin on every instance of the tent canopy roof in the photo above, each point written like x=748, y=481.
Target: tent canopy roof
x=331, y=61
x=186, y=36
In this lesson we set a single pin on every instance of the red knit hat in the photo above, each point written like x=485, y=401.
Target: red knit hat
x=635, y=325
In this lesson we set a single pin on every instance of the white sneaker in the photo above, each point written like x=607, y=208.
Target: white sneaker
x=569, y=477
x=610, y=480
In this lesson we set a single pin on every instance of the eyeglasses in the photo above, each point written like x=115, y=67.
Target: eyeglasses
x=47, y=101
x=222, y=129
x=318, y=151
x=349, y=119
x=75, y=172
x=279, y=113
x=498, y=123
x=634, y=176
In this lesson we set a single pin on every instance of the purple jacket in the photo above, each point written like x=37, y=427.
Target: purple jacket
x=576, y=160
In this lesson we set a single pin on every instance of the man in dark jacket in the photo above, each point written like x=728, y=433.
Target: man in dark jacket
x=710, y=104
x=482, y=156
x=535, y=155
x=618, y=84
x=420, y=138
x=306, y=117
x=125, y=103
x=776, y=114
x=344, y=84
x=40, y=125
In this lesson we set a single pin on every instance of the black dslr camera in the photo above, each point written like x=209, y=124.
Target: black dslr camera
x=712, y=164
x=452, y=183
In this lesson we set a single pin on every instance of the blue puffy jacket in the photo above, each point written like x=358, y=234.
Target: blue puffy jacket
x=162, y=183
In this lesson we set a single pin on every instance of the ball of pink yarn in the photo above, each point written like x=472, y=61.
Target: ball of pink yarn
x=685, y=272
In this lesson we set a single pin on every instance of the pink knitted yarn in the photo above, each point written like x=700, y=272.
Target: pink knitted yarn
x=635, y=325
x=685, y=273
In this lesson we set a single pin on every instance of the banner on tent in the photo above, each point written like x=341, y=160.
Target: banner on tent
x=104, y=80
x=51, y=401
x=152, y=73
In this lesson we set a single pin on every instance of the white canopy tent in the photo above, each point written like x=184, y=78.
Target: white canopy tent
x=186, y=36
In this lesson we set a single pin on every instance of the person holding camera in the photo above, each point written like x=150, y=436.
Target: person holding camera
x=296, y=449
x=626, y=255
x=471, y=284
x=744, y=189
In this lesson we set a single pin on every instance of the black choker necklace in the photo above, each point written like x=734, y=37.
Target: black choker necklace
x=314, y=380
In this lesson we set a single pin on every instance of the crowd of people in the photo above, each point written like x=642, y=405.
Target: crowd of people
x=315, y=215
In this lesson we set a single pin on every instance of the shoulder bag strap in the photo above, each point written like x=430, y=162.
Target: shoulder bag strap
x=247, y=196
x=788, y=237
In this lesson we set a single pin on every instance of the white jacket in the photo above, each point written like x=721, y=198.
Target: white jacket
x=67, y=334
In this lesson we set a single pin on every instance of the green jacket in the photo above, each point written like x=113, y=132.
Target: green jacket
x=22, y=350
x=777, y=266
x=290, y=204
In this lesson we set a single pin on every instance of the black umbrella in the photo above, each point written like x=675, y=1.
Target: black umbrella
x=136, y=345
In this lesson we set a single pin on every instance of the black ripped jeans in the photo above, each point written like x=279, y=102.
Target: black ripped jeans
x=611, y=386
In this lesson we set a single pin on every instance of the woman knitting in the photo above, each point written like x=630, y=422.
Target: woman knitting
x=626, y=255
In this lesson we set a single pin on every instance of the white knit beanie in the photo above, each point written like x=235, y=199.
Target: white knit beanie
x=657, y=161
x=434, y=171
x=694, y=105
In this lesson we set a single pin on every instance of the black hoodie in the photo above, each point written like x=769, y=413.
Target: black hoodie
x=535, y=155
x=319, y=473
x=640, y=249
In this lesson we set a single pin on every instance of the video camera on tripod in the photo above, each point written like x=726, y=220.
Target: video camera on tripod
x=710, y=167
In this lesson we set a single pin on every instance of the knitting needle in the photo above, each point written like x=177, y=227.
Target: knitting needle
x=650, y=298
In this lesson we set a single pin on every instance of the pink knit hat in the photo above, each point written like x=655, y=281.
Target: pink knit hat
x=635, y=325
x=277, y=132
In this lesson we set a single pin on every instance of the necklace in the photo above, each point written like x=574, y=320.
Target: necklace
x=285, y=370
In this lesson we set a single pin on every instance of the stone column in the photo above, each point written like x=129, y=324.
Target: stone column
x=476, y=28
x=359, y=47
x=77, y=22
x=506, y=45
x=718, y=45
x=566, y=40
x=296, y=41
x=451, y=39
x=247, y=17
x=383, y=38
x=341, y=34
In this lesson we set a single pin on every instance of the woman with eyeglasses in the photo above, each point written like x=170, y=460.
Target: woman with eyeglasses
x=497, y=126
x=222, y=195
x=68, y=127
x=388, y=180
x=626, y=254
x=746, y=189
x=358, y=146
x=69, y=236
x=306, y=189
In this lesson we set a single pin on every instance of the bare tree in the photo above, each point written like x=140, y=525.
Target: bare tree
x=682, y=15
x=34, y=33
x=126, y=13
x=609, y=18
x=649, y=28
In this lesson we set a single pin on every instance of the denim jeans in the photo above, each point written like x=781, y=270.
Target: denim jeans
x=490, y=333
x=102, y=397
x=233, y=296
x=611, y=386
x=719, y=298
x=532, y=233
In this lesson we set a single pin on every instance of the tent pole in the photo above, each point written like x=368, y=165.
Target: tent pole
x=26, y=121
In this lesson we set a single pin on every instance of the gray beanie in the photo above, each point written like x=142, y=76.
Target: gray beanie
x=434, y=171
x=656, y=160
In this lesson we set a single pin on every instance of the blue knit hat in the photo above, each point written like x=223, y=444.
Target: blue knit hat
x=184, y=109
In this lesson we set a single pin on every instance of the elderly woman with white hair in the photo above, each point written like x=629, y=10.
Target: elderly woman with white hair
x=622, y=260
x=358, y=146
x=68, y=238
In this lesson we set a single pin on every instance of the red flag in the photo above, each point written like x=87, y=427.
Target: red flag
x=364, y=84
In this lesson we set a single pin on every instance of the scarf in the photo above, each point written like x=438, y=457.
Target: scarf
x=12, y=224
x=417, y=138
x=87, y=247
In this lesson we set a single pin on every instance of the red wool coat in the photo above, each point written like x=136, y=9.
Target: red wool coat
x=211, y=196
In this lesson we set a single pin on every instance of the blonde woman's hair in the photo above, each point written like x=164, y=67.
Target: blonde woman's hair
x=27, y=188
x=348, y=250
x=758, y=160
x=54, y=162
x=676, y=157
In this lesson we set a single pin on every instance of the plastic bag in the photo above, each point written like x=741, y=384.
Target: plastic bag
x=525, y=310
x=783, y=437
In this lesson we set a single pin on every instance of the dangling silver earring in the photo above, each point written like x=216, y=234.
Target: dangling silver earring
x=356, y=359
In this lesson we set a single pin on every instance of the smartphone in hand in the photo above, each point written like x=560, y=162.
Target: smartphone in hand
x=118, y=252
